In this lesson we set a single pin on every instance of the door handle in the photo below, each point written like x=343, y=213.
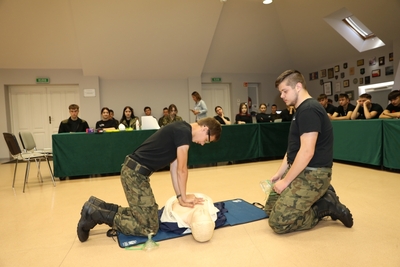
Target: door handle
x=49, y=119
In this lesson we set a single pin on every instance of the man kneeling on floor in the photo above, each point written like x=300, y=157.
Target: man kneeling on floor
x=303, y=179
x=169, y=145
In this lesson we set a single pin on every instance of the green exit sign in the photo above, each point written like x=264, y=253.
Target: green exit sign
x=42, y=80
x=216, y=79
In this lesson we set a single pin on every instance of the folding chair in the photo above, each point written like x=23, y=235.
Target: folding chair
x=18, y=155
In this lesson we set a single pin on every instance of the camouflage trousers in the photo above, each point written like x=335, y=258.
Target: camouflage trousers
x=291, y=210
x=141, y=217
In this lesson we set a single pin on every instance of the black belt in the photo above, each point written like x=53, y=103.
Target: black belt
x=137, y=167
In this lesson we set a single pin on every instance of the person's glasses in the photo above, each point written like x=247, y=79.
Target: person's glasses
x=209, y=138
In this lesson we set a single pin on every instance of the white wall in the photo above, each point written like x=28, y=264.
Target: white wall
x=57, y=77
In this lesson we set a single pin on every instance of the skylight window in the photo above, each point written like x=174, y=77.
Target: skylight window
x=358, y=27
x=351, y=29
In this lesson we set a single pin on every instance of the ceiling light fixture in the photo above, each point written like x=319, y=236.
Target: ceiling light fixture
x=266, y=2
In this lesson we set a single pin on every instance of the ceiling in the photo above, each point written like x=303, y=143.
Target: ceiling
x=176, y=39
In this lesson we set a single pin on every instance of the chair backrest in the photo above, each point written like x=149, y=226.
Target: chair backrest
x=12, y=144
x=27, y=141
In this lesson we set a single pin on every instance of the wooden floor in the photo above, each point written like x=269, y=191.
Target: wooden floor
x=39, y=226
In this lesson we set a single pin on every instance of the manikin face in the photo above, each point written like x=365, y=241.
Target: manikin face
x=263, y=109
x=105, y=114
x=128, y=113
x=74, y=114
x=289, y=95
x=395, y=102
x=343, y=101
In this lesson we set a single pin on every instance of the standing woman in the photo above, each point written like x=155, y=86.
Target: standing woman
x=105, y=123
x=243, y=117
x=200, y=107
x=128, y=118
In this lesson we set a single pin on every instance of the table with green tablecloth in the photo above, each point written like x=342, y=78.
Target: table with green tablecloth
x=373, y=142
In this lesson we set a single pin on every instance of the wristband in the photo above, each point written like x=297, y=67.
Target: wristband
x=178, y=196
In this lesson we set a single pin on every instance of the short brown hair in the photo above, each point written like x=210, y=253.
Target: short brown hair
x=197, y=95
x=292, y=77
x=322, y=96
x=213, y=125
x=73, y=106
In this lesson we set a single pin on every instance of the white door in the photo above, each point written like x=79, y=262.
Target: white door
x=217, y=95
x=40, y=109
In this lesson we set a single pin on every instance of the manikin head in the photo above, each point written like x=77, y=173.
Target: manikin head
x=201, y=224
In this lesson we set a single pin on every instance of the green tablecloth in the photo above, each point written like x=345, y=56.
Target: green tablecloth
x=358, y=141
x=391, y=143
x=373, y=142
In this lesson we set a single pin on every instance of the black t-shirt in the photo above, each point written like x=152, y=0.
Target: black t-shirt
x=262, y=117
x=311, y=116
x=340, y=110
x=160, y=149
x=330, y=109
x=374, y=107
x=246, y=118
x=220, y=120
x=107, y=124
x=69, y=125
x=286, y=116
x=393, y=108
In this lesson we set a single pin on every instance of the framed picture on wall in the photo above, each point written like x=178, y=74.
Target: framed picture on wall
x=381, y=61
x=337, y=88
x=328, y=88
x=361, y=81
x=323, y=73
x=367, y=80
x=350, y=94
x=330, y=73
x=337, y=68
x=346, y=83
x=376, y=73
x=360, y=62
x=391, y=56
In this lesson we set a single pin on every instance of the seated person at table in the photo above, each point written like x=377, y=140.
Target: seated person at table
x=221, y=117
x=128, y=118
x=273, y=114
x=105, y=123
x=73, y=123
x=243, y=117
x=165, y=114
x=366, y=110
x=392, y=111
x=344, y=111
x=200, y=220
x=263, y=116
x=172, y=116
x=112, y=116
x=329, y=108
x=287, y=113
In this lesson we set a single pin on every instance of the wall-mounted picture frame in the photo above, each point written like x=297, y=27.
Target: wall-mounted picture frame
x=345, y=65
x=346, y=83
x=367, y=80
x=323, y=73
x=361, y=81
x=313, y=75
x=351, y=71
x=389, y=70
x=376, y=73
x=350, y=94
x=372, y=61
x=381, y=61
x=360, y=62
x=362, y=71
x=342, y=75
x=337, y=68
x=337, y=87
x=391, y=56
x=328, y=88
x=330, y=73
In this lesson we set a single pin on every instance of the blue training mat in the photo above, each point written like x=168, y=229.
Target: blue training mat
x=239, y=212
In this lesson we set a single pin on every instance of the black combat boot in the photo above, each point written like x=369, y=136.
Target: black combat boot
x=102, y=204
x=329, y=205
x=92, y=215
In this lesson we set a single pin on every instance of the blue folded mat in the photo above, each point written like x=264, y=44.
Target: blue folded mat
x=237, y=211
